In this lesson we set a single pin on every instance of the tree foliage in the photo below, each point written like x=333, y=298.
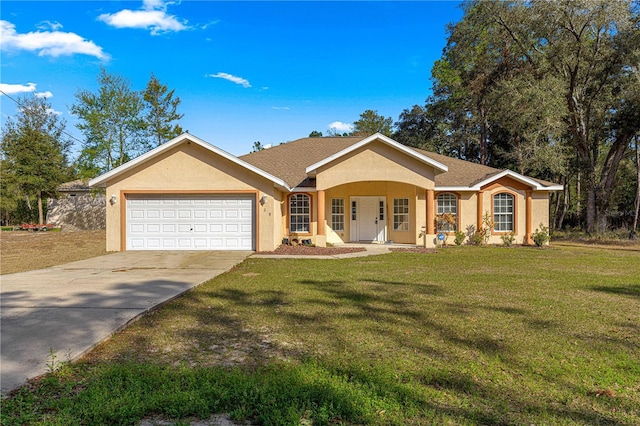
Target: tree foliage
x=161, y=112
x=34, y=155
x=549, y=89
x=371, y=122
x=120, y=123
x=112, y=124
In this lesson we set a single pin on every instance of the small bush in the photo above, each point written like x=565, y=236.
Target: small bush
x=459, y=239
x=508, y=238
x=541, y=236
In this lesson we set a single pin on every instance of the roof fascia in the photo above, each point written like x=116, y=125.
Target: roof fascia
x=101, y=181
x=311, y=170
x=521, y=178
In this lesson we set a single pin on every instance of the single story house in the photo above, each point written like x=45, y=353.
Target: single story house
x=190, y=195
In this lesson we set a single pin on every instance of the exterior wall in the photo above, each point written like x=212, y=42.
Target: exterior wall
x=190, y=168
x=519, y=213
x=468, y=202
x=540, y=209
x=467, y=209
x=375, y=162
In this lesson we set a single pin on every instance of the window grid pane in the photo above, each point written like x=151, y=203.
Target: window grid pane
x=299, y=213
x=400, y=214
x=503, y=212
x=447, y=203
x=337, y=214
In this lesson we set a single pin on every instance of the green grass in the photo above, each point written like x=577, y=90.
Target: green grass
x=468, y=335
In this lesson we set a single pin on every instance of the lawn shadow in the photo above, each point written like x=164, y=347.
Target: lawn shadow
x=624, y=290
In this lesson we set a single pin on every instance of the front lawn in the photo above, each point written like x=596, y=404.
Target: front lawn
x=27, y=250
x=467, y=335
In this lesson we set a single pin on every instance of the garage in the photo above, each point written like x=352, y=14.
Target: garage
x=190, y=222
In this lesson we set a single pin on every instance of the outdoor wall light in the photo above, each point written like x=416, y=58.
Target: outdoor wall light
x=263, y=200
x=113, y=199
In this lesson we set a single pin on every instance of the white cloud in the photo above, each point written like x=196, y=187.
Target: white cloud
x=153, y=17
x=46, y=94
x=48, y=43
x=48, y=25
x=12, y=89
x=232, y=78
x=339, y=126
x=281, y=108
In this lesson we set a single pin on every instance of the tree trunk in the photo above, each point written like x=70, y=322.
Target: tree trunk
x=566, y=198
x=484, y=136
x=635, y=216
x=40, y=209
x=604, y=188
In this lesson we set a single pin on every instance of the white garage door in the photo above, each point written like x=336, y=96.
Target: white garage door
x=190, y=222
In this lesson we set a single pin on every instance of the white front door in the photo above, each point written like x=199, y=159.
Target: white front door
x=369, y=223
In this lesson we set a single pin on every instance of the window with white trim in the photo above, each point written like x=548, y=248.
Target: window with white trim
x=400, y=214
x=299, y=213
x=447, y=203
x=503, y=208
x=337, y=214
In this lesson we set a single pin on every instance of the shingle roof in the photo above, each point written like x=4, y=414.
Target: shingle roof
x=77, y=185
x=289, y=161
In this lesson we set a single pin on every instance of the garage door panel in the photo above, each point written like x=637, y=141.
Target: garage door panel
x=190, y=222
x=200, y=228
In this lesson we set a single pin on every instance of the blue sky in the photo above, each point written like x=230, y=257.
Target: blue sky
x=245, y=71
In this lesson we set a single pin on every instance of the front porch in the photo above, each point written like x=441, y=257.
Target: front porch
x=371, y=213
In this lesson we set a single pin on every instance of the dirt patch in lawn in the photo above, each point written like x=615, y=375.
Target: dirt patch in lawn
x=312, y=251
x=25, y=251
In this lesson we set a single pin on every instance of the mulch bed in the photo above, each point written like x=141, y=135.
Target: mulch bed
x=312, y=251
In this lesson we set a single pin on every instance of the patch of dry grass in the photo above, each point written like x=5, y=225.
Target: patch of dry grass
x=22, y=251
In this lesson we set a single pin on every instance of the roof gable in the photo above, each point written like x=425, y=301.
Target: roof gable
x=311, y=170
x=101, y=181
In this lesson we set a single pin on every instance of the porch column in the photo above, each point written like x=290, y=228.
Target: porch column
x=527, y=237
x=430, y=228
x=480, y=210
x=321, y=230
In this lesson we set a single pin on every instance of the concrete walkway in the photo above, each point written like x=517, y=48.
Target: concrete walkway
x=71, y=308
x=369, y=250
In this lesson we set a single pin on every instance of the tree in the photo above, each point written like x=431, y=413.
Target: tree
x=591, y=48
x=371, y=122
x=546, y=88
x=112, y=124
x=257, y=146
x=161, y=112
x=414, y=128
x=34, y=151
x=315, y=134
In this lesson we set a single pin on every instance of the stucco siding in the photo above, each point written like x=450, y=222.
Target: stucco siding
x=189, y=168
x=375, y=162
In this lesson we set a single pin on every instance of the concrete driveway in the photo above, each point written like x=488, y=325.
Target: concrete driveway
x=71, y=308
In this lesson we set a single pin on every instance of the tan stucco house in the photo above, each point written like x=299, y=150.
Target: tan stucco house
x=190, y=195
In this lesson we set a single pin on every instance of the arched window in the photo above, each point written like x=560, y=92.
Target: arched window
x=447, y=212
x=503, y=209
x=299, y=213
